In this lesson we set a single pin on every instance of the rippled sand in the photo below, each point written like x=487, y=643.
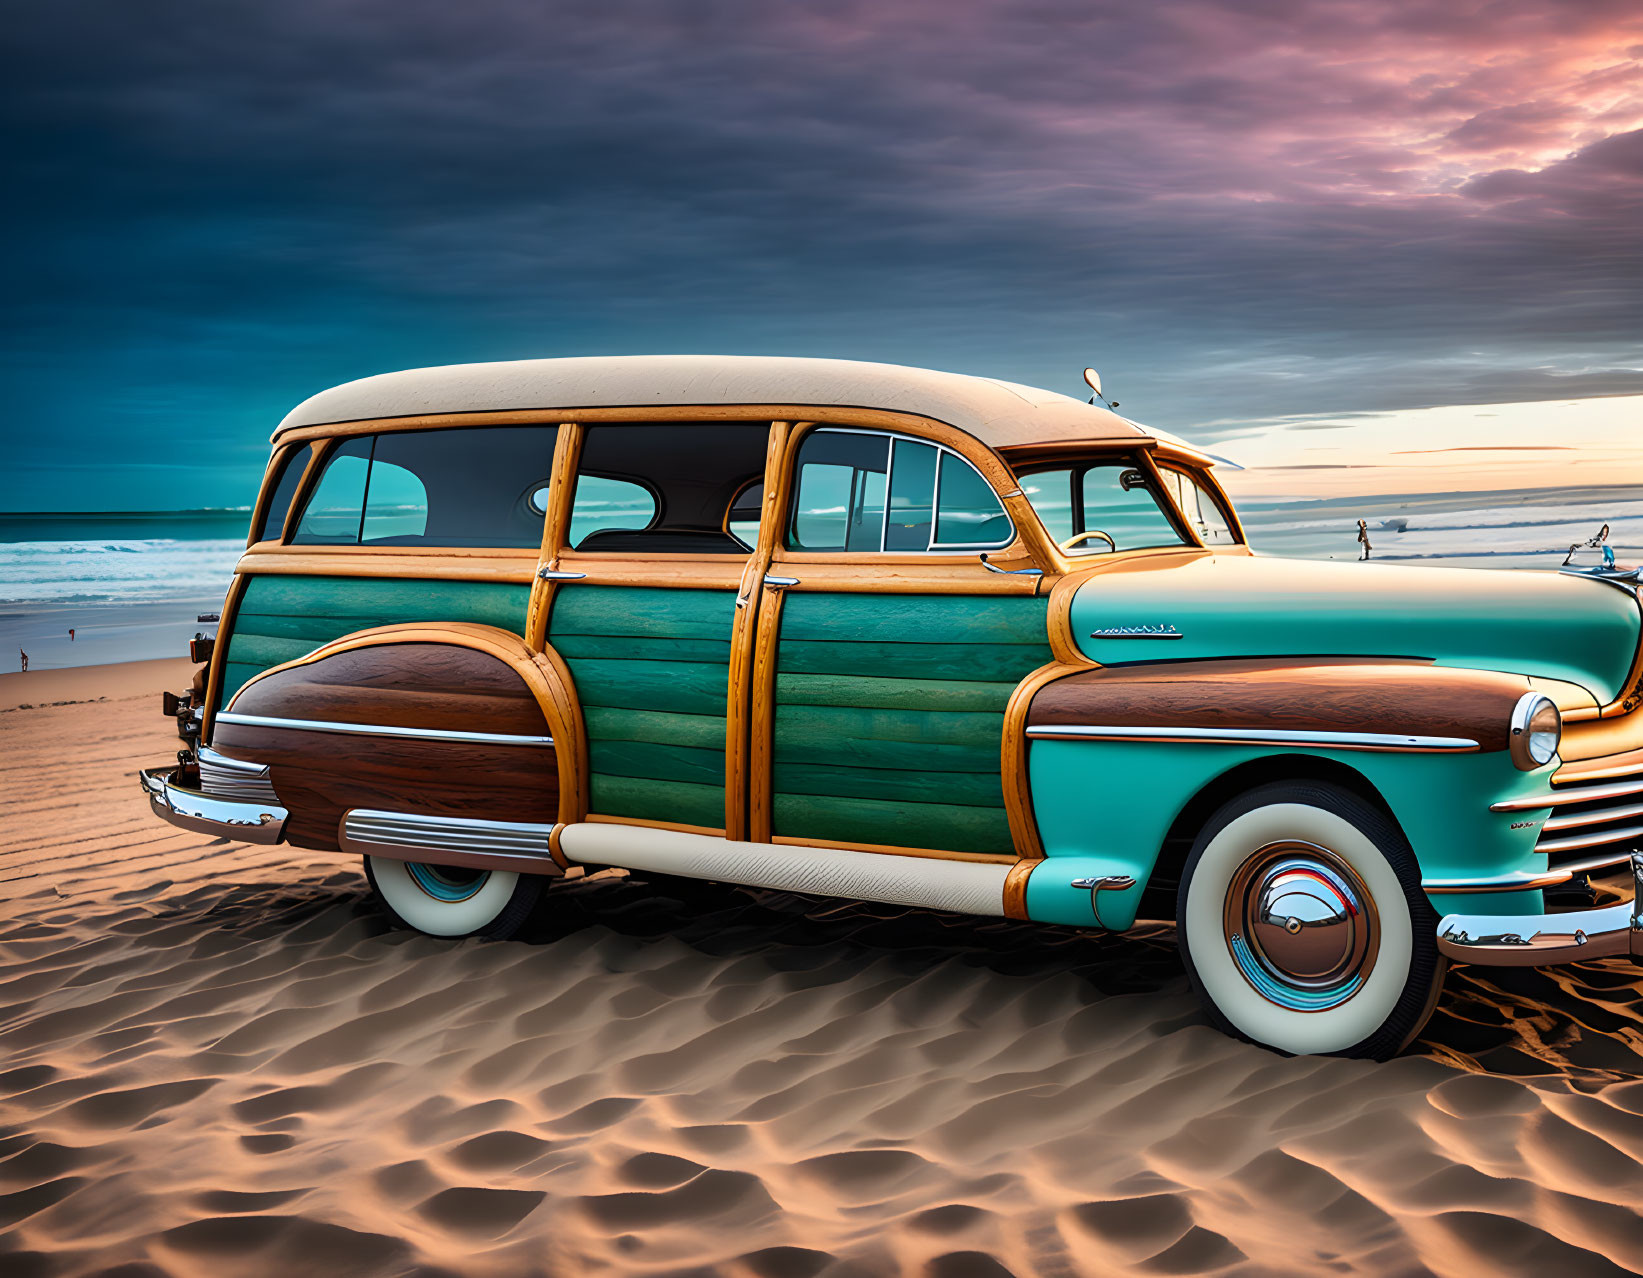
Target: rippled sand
x=217, y=1060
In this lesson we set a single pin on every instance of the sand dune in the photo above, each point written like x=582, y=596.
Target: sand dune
x=218, y=1061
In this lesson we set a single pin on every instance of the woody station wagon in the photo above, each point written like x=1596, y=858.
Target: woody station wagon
x=906, y=636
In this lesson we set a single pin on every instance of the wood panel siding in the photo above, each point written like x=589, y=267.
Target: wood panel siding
x=405, y=685
x=281, y=618
x=652, y=669
x=889, y=716
x=1375, y=696
x=319, y=775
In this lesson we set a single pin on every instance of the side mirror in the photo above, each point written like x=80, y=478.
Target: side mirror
x=1093, y=380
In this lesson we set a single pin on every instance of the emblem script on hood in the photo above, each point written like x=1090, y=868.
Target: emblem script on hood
x=1160, y=630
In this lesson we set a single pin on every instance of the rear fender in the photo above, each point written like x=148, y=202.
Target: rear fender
x=450, y=719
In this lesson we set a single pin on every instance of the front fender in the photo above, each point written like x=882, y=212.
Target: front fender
x=1103, y=805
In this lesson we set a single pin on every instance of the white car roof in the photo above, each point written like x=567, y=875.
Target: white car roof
x=1000, y=414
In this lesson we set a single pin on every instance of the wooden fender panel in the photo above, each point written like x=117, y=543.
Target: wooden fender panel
x=1344, y=695
x=454, y=679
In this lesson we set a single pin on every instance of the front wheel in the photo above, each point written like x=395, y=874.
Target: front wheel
x=448, y=900
x=1303, y=925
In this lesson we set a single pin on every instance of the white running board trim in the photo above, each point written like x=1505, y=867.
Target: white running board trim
x=964, y=887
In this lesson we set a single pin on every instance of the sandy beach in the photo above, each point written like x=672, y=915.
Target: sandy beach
x=219, y=1060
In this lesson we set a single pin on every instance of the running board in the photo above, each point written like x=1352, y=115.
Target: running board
x=963, y=887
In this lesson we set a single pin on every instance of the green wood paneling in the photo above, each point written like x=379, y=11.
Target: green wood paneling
x=643, y=648
x=704, y=731
x=664, y=762
x=948, y=826
x=989, y=663
x=901, y=756
x=643, y=611
x=899, y=694
x=652, y=668
x=282, y=618
x=682, y=687
x=890, y=714
x=971, y=620
x=653, y=800
x=974, y=789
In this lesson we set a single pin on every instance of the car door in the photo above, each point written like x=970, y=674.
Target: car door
x=888, y=650
x=646, y=581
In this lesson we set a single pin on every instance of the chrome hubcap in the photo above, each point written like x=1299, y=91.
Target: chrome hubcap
x=1301, y=926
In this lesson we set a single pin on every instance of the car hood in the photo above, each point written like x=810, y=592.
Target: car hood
x=1546, y=624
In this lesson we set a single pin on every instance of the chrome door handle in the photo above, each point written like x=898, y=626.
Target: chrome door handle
x=559, y=574
x=779, y=583
x=1010, y=572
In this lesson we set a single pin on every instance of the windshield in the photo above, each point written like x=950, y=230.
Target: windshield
x=1113, y=504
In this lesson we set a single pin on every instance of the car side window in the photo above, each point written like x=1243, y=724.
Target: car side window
x=867, y=491
x=332, y=516
x=1101, y=507
x=646, y=488
x=463, y=486
x=1119, y=501
x=1199, y=506
x=604, y=504
x=285, y=488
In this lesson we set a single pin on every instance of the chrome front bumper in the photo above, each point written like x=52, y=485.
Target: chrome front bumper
x=1535, y=940
x=247, y=822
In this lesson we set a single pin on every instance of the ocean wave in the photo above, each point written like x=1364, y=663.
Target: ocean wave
x=98, y=569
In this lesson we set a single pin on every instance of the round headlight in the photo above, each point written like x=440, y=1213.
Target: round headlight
x=1537, y=729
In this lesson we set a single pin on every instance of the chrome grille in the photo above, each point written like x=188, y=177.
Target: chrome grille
x=225, y=778
x=1594, y=824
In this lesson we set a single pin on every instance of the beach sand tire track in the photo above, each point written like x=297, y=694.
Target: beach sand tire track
x=1399, y=983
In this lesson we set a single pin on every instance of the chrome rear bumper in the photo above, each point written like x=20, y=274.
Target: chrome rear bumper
x=247, y=822
x=1535, y=940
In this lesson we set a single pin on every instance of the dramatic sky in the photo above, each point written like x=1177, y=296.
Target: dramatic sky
x=1237, y=211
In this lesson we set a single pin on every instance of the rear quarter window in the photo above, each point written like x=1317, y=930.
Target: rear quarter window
x=472, y=486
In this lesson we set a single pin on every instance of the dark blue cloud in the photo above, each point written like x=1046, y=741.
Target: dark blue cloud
x=1235, y=209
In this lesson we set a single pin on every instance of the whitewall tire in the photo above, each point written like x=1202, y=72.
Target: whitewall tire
x=449, y=901
x=1303, y=925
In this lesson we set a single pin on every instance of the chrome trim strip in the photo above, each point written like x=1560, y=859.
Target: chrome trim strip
x=1627, y=579
x=223, y=818
x=1260, y=736
x=225, y=778
x=379, y=730
x=1562, y=798
x=416, y=830
x=1592, y=818
x=1523, y=880
x=210, y=758
x=433, y=840
x=1534, y=940
x=1575, y=842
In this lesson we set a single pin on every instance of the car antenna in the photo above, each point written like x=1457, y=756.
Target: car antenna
x=1093, y=379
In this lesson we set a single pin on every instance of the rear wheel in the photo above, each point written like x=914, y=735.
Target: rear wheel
x=449, y=900
x=1303, y=924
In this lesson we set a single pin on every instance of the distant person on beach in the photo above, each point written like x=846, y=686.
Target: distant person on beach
x=1363, y=539
x=71, y=635
x=25, y=661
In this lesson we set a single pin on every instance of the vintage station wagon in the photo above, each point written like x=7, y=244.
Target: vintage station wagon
x=906, y=636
